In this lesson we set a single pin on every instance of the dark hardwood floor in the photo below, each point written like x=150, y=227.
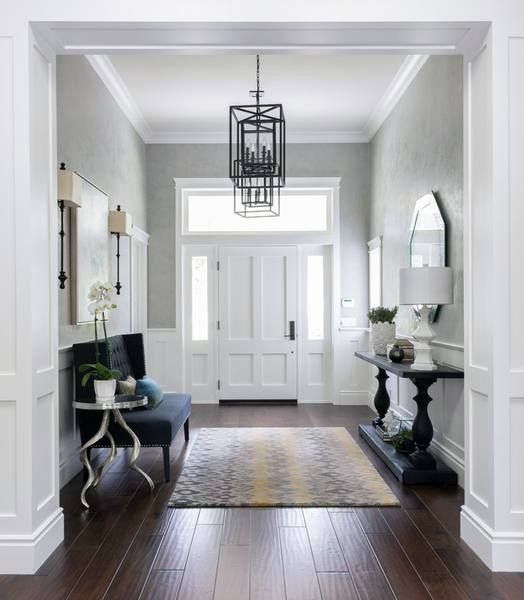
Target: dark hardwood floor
x=131, y=545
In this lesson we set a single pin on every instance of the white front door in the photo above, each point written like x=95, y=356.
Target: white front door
x=257, y=317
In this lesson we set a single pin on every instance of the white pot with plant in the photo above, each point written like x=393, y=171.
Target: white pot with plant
x=104, y=376
x=382, y=321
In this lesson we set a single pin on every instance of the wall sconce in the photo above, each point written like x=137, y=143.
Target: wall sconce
x=120, y=223
x=70, y=196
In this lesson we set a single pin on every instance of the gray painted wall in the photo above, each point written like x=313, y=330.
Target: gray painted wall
x=96, y=139
x=351, y=162
x=419, y=149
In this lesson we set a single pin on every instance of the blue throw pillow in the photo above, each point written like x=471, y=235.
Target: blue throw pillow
x=150, y=388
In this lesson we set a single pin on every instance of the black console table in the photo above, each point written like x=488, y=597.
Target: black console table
x=420, y=466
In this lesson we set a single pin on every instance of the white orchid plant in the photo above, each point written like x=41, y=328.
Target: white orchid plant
x=100, y=297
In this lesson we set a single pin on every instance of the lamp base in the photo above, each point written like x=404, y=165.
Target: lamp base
x=423, y=335
x=423, y=359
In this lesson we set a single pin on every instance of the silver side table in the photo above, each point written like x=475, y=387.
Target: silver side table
x=123, y=401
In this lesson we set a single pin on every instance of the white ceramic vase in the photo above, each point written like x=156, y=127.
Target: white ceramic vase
x=382, y=334
x=105, y=390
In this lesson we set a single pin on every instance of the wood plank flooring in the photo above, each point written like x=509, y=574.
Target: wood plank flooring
x=132, y=546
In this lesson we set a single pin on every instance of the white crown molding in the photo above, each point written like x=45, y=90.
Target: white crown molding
x=327, y=137
x=188, y=137
x=104, y=68
x=394, y=92
x=222, y=137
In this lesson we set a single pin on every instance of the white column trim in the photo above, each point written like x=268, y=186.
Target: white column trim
x=24, y=553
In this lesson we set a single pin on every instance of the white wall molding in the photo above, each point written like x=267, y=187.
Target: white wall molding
x=23, y=554
x=355, y=398
x=141, y=235
x=500, y=550
x=396, y=89
x=104, y=68
x=448, y=345
x=452, y=459
x=110, y=77
x=292, y=137
x=69, y=444
x=164, y=358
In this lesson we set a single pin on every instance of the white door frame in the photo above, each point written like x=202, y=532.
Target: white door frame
x=302, y=240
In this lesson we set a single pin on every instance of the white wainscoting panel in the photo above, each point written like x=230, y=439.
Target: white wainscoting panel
x=44, y=449
x=139, y=281
x=516, y=418
x=8, y=458
x=164, y=358
x=69, y=438
x=352, y=375
x=7, y=215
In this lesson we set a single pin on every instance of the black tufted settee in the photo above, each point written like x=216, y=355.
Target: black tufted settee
x=154, y=427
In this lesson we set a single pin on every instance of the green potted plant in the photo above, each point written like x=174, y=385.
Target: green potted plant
x=403, y=441
x=382, y=327
x=104, y=376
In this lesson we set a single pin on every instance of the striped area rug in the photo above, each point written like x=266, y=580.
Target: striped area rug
x=279, y=466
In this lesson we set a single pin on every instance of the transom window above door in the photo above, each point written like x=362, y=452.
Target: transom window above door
x=210, y=211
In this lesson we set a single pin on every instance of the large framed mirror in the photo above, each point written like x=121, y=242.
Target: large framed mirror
x=427, y=237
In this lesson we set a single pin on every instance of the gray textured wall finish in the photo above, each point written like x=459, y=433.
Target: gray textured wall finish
x=419, y=149
x=165, y=162
x=96, y=139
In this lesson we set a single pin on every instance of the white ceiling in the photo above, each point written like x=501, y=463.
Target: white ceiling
x=186, y=98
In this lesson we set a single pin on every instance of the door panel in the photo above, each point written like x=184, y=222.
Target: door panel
x=257, y=301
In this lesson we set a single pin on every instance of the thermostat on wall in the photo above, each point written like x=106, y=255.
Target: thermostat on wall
x=348, y=303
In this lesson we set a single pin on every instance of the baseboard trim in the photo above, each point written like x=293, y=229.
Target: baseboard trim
x=499, y=551
x=450, y=458
x=354, y=398
x=24, y=554
x=257, y=402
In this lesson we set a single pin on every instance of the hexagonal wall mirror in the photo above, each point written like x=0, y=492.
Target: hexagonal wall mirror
x=427, y=238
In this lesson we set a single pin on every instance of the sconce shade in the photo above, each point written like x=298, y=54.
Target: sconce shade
x=426, y=285
x=120, y=222
x=69, y=188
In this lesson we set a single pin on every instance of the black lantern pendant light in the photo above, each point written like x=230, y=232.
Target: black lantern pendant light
x=257, y=155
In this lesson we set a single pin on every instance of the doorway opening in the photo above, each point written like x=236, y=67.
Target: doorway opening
x=257, y=309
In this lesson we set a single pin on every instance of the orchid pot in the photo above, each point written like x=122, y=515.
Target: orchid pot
x=104, y=390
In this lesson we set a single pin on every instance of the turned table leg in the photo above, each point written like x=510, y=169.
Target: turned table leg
x=381, y=398
x=422, y=428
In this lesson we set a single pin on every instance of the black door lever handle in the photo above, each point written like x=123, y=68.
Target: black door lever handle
x=291, y=335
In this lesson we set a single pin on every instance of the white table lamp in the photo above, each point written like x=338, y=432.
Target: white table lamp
x=425, y=286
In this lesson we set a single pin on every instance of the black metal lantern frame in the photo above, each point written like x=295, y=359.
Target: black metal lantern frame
x=257, y=156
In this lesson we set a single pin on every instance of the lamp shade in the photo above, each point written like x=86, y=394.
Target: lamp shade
x=426, y=285
x=120, y=222
x=69, y=188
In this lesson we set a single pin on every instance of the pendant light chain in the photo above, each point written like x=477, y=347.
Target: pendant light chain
x=258, y=79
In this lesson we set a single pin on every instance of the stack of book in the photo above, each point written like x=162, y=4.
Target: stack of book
x=406, y=345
